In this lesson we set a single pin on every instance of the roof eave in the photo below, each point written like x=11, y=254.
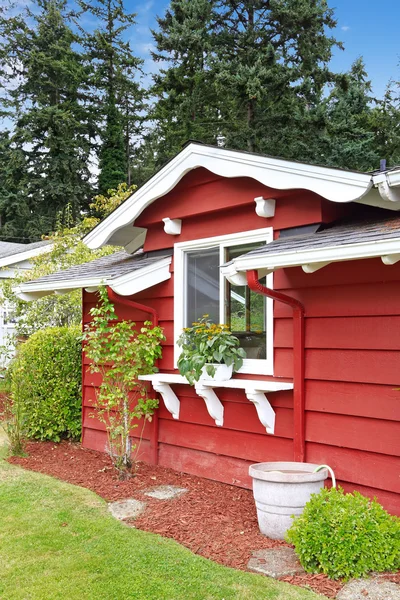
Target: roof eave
x=313, y=259
x=6, y=261
x=124, y=285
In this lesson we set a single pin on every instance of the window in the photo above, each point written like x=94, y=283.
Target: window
x=201, y=289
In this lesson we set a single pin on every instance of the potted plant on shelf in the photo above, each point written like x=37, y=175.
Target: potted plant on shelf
x=209, y=351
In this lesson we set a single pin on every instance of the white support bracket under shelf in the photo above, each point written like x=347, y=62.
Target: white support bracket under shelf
x=255, y=391
x=265, y=412
x=171, y=400
x=213, y=403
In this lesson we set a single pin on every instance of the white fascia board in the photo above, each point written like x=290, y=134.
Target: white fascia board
x=125, y=285
x=332, y=254
x=34, y=291
x=333, y=184
x=391, y=177
x=26, y=255
x=142, y=279
x=394, y=178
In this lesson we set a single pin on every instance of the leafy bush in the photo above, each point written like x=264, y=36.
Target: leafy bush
x=12, y=415
x=131, y=354
x=345, y=535
x=46, y=381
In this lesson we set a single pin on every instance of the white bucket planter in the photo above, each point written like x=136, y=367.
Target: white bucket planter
x=281, y=489
x=222, y=373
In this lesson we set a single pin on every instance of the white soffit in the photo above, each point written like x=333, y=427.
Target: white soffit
x=313, y=259
x=124, y=285
x=333, y=184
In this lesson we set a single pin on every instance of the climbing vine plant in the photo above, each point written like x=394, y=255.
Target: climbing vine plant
x=120, y=353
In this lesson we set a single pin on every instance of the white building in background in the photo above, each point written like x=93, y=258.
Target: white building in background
x=14, y=258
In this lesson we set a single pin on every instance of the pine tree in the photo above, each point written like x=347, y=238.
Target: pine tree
x=45, y=78
x=271, y=66
x=350, y=141
x=116, y=94
x=385, y=123
x=186, y=103
x=248, y=73
x=15, y=212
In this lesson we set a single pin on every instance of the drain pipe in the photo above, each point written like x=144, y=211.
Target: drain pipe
x=114, y=297
x=298, y=360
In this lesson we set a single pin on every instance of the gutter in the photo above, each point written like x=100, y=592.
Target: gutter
x=298, y=360
x=116, y=298
x=388, y=184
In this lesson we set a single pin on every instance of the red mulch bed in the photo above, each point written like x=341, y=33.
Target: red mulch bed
x=2, y=402
x=212, y=519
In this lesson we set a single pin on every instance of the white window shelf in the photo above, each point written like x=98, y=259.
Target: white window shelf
x=255, y=391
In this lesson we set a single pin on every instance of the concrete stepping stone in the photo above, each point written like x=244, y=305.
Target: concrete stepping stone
x=165, y=492
x=275, y=562
x=369, y=589
x=126, y=509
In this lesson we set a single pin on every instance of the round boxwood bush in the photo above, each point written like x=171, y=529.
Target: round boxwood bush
x=46, y=381
x=345, y=535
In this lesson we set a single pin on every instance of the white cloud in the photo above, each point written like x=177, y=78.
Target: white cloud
x=345, y=28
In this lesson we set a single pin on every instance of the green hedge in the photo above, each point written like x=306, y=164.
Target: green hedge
x=46, y=380
x=345, y=535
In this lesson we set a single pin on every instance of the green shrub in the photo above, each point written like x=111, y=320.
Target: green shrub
x=46, y=381
x=345, y=535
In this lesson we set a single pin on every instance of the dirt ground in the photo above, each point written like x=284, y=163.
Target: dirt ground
x=212, y=519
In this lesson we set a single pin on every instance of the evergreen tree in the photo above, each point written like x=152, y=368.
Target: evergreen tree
x=116, y=93
x=271, y=63
x=14, y=204
x=45, y=78
x=350, y=141
x=186, y=103
x=247, y=73
x=385, y=122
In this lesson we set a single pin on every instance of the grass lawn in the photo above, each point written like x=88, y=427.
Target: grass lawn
x=58, y=541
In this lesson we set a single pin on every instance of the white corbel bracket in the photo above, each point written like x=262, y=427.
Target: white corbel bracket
x=312, y=268
x=265, y=207
x=390, y=259
x=172, y=226
x=265, y=412
x=214, y=406
x=171, y=400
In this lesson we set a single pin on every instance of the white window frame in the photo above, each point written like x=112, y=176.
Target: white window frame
x=250, y=366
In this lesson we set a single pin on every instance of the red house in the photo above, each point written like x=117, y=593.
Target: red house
x=304, y=263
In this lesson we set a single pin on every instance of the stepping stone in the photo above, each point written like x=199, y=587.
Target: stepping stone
x=126, y=509
x=165, y=492
x=275, y=562
x=369, y=589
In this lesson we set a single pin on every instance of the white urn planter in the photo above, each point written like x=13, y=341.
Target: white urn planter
x=222, y=373
x=281, y=489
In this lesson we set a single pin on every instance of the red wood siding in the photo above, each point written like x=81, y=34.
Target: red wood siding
x=352, y=352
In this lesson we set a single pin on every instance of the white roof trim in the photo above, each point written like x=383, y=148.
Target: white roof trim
x=124, y=285
x=310, y=259
x=24, y=255
x=333, y=184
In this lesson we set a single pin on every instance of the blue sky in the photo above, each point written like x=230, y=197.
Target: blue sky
x=368, y=29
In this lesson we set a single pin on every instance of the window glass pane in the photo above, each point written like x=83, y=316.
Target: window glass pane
x=246, y=311
x=202, y=275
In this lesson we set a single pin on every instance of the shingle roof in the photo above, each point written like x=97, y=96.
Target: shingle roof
x=380, y=225
x=107, y=267
x=11, y=249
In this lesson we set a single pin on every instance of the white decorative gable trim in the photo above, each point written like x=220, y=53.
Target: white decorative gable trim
x=333, y=184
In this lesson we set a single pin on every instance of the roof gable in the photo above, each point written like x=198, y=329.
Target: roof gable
x=335, y=185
